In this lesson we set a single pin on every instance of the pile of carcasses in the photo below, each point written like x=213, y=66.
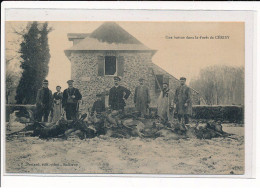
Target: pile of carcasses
x=118, y=125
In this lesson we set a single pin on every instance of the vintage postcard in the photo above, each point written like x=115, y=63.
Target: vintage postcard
x=125, y=97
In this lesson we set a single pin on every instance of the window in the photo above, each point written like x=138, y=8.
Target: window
x=110, y=65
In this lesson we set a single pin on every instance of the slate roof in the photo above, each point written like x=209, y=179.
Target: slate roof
x=109, y=36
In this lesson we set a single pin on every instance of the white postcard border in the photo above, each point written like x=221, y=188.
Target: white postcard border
x=155, y=15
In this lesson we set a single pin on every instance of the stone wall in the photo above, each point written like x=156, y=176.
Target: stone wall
x=174, y=83
x=136, y=65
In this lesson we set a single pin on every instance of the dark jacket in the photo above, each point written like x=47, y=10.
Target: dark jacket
x=98, y=106
x=117, y=97
x=182, y=96
x=57, y=97
x=66, y=99
x=40, y=98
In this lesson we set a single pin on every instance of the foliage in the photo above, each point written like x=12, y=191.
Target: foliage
x=12, y=79
x=12, y=61
x=221, y=85
x=232, y=114
x=35, y=57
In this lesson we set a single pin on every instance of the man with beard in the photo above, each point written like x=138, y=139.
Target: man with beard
x=182, y=99
x=117, y=95
x=43, y=102
x=70, y=99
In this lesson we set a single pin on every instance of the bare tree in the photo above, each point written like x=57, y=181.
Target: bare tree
x=11, y=82
x=221, y=85
x=12, y=60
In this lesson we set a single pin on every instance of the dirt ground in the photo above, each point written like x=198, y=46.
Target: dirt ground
x=135, y=155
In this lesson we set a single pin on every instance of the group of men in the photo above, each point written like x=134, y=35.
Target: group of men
x=180, y=102
x=166, y=103
x=47, y=103
x=118, y=94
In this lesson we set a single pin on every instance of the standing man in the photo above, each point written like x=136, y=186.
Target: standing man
x=165, y=103
x=43, y=102
x=142, y=98
x=182, y=100
x=70, y=99
x=117, y=95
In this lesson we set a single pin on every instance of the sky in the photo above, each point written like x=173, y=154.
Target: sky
x=179, y=57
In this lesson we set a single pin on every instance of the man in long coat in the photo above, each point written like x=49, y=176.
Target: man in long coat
x=165, y=103
x=142, y=98
x=43, y=102
x=70, y=99
x=117, y=95
x=182, y=99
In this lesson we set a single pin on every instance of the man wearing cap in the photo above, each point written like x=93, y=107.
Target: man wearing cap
x=142, y=98
x=70, y=99
x=165, y=103
x=182, y=99
x=117, y=95
x=43, y=102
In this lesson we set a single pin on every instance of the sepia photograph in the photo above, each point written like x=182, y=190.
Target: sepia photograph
x=125, y=97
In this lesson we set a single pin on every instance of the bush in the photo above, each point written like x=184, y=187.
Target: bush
x=234, y=114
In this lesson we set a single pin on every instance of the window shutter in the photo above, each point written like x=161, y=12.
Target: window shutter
x=120, y=66
x=101, y=64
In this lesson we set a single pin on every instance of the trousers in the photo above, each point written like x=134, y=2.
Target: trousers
x=42, y=111
x=185, y=117
x=71, y=111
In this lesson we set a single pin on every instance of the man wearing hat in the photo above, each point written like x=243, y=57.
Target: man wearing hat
x=70, y=99
x=142, y=98
x=117, y=95
x=165, y=103
x=43, y=102
x=182, y=99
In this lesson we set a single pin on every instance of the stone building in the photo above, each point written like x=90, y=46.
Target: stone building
x=108, y=51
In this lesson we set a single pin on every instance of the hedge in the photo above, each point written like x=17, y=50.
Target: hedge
x=223, y=113
x=232, y=113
